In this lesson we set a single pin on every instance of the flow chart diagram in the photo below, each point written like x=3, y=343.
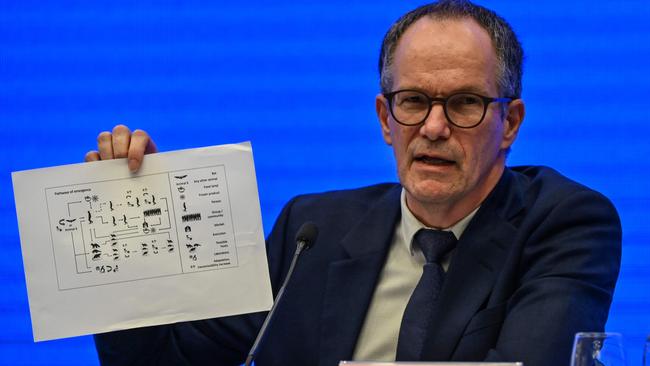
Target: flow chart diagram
x=149, y=226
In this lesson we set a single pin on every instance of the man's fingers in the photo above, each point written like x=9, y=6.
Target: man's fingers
x=92, y=156
x=121, y=140
x=141, y=144
x=122, y=143
x=105, y=145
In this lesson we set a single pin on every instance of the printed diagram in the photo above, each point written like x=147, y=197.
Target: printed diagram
x=137, y=228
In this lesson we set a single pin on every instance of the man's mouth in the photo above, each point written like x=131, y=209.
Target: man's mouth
x=430, y=160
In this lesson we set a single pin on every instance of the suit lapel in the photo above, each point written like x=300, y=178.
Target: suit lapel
x=351, y=281
x=481, y=250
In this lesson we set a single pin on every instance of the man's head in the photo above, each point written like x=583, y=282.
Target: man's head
x=440, y=50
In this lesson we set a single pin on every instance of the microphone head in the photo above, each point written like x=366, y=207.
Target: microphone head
x=307, y=234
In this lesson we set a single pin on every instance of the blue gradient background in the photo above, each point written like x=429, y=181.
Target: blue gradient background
x=299, y=80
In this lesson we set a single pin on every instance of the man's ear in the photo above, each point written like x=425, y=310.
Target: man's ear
x=514, y=117
x=381, y=106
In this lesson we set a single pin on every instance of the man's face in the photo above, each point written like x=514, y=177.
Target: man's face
x=444, y=168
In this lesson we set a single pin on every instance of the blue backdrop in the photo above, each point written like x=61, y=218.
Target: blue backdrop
x=299, y=80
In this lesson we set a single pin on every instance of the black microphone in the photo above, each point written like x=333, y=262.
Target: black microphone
x=305, y=239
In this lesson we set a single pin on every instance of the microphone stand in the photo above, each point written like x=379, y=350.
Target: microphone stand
x=302, y=244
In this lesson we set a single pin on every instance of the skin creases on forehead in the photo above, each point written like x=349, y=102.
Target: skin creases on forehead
x=444, y=56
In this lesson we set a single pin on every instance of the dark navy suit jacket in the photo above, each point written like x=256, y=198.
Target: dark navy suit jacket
x=536, y=264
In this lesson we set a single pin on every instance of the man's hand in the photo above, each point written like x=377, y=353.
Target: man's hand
x=122, y=143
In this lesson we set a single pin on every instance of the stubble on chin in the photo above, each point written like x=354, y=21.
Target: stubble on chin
x=433, y=189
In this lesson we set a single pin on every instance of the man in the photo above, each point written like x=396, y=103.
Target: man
x=536, y=259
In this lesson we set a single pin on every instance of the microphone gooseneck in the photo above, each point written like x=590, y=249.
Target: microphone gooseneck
x=305, y=239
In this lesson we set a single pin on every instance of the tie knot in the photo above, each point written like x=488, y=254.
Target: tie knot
x=435, y=244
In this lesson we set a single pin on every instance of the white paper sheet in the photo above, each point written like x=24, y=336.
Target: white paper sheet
x=105, y=249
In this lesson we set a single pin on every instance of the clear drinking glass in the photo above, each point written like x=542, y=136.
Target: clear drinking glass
x=598, y=349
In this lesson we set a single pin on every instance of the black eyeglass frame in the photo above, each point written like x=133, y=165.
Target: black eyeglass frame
x=486, y=102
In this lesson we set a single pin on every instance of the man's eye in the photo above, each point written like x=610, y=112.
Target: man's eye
x=468, y=100
x=413, y=100
x=464, y=102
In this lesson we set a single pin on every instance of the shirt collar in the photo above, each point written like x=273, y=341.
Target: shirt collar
x=410, y=224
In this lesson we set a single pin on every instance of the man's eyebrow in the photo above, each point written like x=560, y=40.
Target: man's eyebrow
x=462, y=89
x=469, y=89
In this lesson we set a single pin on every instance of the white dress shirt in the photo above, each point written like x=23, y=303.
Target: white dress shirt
x=401, y=273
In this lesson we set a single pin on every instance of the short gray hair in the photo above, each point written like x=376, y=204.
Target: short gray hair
x=507, y=48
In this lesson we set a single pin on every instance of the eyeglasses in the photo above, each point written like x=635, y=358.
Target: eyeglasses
x=464, y=110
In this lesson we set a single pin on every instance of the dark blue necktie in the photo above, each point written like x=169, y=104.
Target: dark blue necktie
x=435, y=244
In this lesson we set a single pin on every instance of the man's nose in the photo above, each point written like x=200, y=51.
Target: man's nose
x=436, y=126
